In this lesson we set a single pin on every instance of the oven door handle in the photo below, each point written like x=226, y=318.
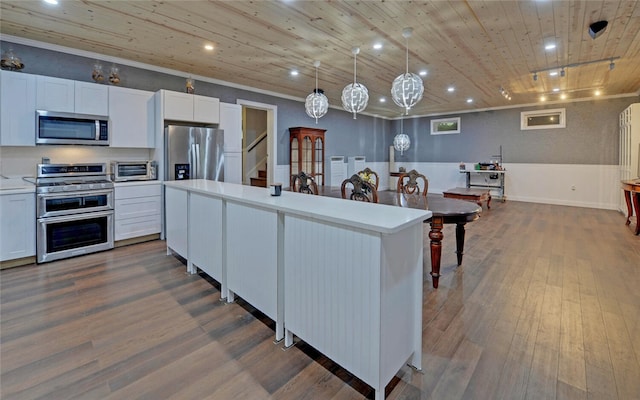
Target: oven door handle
x=75, y=217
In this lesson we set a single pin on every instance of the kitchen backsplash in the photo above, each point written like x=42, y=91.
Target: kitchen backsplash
x=18, y=162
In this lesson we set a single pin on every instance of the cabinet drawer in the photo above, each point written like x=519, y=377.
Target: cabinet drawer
x=135, y=227
x=133, y=191
x=137, y=207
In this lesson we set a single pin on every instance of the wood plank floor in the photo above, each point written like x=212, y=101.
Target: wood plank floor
x=545, y=306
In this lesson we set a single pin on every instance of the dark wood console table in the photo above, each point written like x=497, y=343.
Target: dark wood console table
x=631, y=190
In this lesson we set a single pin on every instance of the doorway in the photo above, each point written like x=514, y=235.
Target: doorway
x=259, y=127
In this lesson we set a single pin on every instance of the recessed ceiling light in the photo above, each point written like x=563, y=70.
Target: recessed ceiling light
x=563, y=96
x=550, y=46
x=294, y=72
x=423, y=72
x=451, y=89
x=542, y=98
x=383, y=100
x=597, y=93
x=54, y=2
x=377, y=46
x=556, y=89
x=469, y=100
x=553, y=73
x=208, y=47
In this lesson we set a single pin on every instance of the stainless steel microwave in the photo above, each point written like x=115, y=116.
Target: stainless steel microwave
x=70, y=128
x=122, y=171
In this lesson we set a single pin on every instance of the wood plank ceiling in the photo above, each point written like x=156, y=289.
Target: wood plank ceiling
x=475, y=46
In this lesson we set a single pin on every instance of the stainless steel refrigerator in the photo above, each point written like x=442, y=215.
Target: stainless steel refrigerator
x=193, y=152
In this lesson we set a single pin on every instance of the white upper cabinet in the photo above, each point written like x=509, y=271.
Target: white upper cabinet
x=132, y=117
x=190, y=107
x=91, y=98
x=206, y=109
x=66, y=95
x=17, y=109
x=55, y=94
x=231, y=122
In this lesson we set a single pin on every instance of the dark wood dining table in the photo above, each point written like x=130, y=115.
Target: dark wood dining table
x=445, y=211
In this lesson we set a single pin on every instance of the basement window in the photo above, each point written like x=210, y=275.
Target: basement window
x=543, y=119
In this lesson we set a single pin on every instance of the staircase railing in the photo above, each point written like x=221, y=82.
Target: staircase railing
x=251, y=170
x=257, y=141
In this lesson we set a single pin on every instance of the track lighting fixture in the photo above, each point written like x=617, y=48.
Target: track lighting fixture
x=563, y=68
x=505, y=93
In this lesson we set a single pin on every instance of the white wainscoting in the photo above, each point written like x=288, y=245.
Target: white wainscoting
x=596, y=186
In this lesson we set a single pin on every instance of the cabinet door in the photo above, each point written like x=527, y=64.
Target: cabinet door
x=18, y=228
x=55, y=94
x=17, y=109
x=178, y=106
x=205, y=234
x=176, y=220
x=132, y=115
x=206, y=109
x=231, y=123
x=233, y=167
x=91, y=98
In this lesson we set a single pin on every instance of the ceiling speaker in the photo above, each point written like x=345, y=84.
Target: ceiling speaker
x=597, y=28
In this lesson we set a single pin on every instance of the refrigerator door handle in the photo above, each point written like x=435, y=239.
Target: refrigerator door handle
x=192, y=161
x=197, y=176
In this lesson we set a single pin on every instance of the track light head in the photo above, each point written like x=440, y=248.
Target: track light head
x=612, y=65
x=562, y=73
x=535, y=76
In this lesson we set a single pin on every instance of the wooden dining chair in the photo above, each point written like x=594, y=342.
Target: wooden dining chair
x=408, y=183
x=303, y=183
x=372, y=175
x=361, y=190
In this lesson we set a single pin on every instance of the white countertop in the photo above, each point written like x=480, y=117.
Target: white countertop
x=375, y=217
x=16, y=186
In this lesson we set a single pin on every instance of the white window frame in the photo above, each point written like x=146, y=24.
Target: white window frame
x=436, y=122
x=559, y=112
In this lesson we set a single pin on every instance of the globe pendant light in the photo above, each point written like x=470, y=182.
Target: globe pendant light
x=317, y=103
x=401, y=142
x=407, y=89
x=355, y=95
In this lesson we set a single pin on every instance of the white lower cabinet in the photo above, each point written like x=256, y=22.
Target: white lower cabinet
x=138, y=210
x=18, y=227
x=176, y=220
x=205, y=235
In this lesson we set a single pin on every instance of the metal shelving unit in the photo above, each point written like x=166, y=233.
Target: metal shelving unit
x=493, y=178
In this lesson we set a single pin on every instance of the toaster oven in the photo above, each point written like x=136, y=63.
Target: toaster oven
x=122, y=171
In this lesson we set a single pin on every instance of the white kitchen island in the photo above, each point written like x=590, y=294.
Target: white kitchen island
x=344, y=276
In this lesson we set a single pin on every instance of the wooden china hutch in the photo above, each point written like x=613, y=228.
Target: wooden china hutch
x=306, y=153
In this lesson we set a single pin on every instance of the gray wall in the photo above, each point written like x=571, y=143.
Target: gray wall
x=591, y=135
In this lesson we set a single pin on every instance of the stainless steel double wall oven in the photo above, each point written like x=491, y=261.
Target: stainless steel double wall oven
x=74, y=207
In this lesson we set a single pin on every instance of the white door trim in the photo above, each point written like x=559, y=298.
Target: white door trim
x=272, y=129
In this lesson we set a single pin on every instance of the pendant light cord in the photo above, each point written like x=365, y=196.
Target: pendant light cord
x=354, y=68
x=407, y=44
